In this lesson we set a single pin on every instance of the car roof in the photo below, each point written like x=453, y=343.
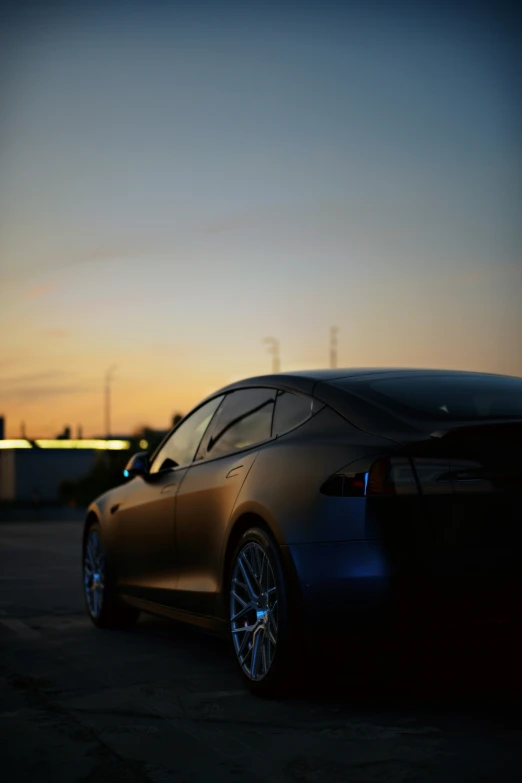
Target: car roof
x=306, y=380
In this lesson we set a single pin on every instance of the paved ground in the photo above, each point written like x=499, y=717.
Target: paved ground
x=163, y=702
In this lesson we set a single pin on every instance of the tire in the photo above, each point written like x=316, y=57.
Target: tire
x=104, y=607
x=262, y=627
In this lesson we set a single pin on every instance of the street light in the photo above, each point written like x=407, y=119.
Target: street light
x=108, y=379
x=273, y=348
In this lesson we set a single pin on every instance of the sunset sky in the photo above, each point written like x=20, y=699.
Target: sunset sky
x=180, y=180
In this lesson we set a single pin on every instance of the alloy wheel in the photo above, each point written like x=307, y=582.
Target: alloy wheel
x=254, y=611
x=94, y=574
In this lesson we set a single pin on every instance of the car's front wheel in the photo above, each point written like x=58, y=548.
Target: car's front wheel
x=260, y=622
x=104, y=607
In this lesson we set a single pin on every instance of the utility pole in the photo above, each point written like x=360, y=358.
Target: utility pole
x=108, y=379
x=273, y=348
x=334, y=331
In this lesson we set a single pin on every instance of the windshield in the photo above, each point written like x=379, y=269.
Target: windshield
x=449, y=397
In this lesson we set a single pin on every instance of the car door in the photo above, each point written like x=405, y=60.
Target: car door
x=146, y=515
x=209, y=491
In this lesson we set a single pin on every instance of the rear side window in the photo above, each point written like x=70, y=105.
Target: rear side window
x=290, y=410
x=244, y=419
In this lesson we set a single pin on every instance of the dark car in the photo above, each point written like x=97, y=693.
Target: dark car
x=284, y=504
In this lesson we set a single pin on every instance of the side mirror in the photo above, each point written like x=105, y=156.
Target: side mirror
x=138, y=465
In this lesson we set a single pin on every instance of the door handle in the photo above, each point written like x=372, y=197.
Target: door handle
x=169, y=488
x=234, y=471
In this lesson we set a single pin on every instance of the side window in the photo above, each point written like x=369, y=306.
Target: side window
x=244, y=418
x=290, y=410
x=180, y=448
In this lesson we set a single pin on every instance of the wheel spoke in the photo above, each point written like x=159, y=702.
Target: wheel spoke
x=252, y=568
x=241, y=613
x=238, y=597
x=244, y=629
x=265, y=658
x=90, y=557
x=253, y=594
x=264, y=560
x=257, y=557
x=243, y=644
x=272, y=627
x=95, y=543
x=255, y=652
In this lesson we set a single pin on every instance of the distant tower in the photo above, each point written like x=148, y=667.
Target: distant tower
x=22, y=430
x=79, y=432
x=273, y=348
x=334, y=331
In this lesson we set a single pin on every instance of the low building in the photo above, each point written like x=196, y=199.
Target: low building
x=32, y=471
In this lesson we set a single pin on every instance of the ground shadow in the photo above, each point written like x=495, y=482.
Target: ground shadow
x=451, y=672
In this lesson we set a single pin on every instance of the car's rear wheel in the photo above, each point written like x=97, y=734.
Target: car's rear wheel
x=260, y=623
x=104, y=607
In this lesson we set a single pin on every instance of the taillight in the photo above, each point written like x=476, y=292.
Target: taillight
x=392, y=476
x=386, y=476
x=345, y=486
x=433, y=475
x=411, y=476
x=451, y=476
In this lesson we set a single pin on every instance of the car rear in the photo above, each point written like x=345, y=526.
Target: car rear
x=440, y=507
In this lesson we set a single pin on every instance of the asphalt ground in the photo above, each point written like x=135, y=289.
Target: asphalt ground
x=164, y=702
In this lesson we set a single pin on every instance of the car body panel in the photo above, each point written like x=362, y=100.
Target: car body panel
x=203, y=509
x=288, y=476
x=146, y=520
x=460, y=534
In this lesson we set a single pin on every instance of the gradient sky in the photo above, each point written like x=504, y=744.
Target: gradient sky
x=180, y=180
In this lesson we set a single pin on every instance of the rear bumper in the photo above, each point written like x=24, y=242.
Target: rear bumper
x=349, y=578
x=358, y=585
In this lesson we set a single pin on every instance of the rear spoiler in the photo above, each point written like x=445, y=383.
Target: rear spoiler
x=494, y=429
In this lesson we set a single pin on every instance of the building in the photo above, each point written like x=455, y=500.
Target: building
x=32, y=471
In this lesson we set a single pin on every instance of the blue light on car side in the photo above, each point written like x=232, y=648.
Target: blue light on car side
x=370, y=567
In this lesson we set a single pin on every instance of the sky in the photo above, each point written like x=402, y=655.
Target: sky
x=179, y=181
